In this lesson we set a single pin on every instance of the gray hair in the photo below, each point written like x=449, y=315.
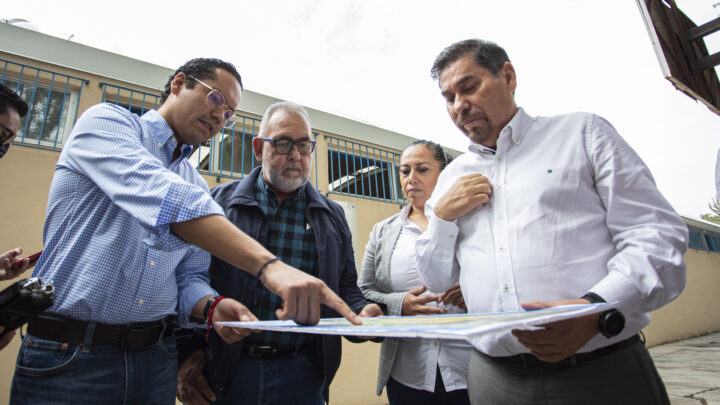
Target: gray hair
x=485, y=54
x=287, y=106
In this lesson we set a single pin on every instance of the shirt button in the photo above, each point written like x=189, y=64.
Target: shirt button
x=506, y=288
x=499, y=187
x=159, y=145
x=152, y=263
x=502, y=249
x=499, y=159
x=140, y=302
x=452, y=236
x=499, y=216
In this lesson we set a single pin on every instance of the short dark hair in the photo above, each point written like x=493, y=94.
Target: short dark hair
x=8, y=98
x=485, y=53
x=437, y=151
x=200, y=68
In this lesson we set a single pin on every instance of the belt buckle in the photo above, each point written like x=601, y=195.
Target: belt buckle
x=263, y=351
x=134, y=337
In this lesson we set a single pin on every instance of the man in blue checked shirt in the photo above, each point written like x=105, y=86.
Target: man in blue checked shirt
x=127, y=220
x=277, y=206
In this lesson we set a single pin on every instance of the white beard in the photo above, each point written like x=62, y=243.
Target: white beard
x=282, y=183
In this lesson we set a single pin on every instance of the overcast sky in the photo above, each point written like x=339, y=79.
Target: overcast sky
x=370, y=60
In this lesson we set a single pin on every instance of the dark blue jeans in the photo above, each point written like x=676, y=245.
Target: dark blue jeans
x=286, y=379
x=50, y=372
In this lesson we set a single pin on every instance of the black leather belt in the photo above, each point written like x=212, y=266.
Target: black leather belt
x=269, y=351
x=526, y=360
x=127, y=337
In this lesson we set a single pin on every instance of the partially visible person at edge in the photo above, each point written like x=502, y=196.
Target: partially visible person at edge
x=281, y=209
x=541, y=212
x=416, y=371
x=127, y=220
x=12, y=109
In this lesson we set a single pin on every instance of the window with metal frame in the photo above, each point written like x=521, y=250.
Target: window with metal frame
x=363, y=171
x=230, y=153
x=52, y=99
x=138, y=102
x=713, y=241
x=697, y=239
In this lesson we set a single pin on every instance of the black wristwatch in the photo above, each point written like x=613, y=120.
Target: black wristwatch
x=208, y=304
x=611, y=322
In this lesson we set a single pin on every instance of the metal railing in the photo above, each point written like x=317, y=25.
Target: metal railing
x=52, y=99
x=136, y=101
x=363, y=171
x=229, y=153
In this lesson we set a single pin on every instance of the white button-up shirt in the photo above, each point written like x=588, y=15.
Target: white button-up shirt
x=573, y=210
x=418, y=360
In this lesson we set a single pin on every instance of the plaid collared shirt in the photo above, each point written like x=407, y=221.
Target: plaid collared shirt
x=289, y=237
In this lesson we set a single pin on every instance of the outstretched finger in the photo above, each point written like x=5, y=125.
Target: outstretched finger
x=535, y=305
x=331, y=299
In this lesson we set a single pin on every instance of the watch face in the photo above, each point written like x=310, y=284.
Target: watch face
x=613, y=322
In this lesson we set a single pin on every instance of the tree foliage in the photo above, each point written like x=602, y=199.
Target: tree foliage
x=714, y=215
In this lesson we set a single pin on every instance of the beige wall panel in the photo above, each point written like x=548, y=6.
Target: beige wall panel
x=695, y=311
x=369, y=212
x=355, y=381
x=25, y=181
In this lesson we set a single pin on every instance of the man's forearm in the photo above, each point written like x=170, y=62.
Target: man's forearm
x=221, y=238
x=301, y=293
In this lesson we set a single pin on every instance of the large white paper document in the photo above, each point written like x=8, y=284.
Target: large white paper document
x=451, y=326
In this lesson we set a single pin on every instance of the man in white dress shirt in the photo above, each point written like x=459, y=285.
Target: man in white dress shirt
x=547, y=211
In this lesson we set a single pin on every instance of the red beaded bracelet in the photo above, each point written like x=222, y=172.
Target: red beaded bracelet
x=210, y=312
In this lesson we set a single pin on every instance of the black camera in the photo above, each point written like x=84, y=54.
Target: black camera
x=24, y=300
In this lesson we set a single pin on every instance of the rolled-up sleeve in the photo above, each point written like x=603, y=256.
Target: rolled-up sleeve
x=105, y=148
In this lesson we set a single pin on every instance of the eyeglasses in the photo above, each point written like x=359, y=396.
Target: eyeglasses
x=7, y=136
x=284, y=146
x=214, y=100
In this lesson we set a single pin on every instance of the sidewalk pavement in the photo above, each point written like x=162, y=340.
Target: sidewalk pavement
x=690, y=369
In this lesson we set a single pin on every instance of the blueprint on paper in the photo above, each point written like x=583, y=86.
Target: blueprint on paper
x=451, y=326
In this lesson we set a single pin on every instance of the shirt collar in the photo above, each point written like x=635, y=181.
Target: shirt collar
x=163, y=135
x=405, y=220
x=404, y=215
x=515, y=130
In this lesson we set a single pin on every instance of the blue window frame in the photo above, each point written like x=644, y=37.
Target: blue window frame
x=363, y=171
x=52, y=99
